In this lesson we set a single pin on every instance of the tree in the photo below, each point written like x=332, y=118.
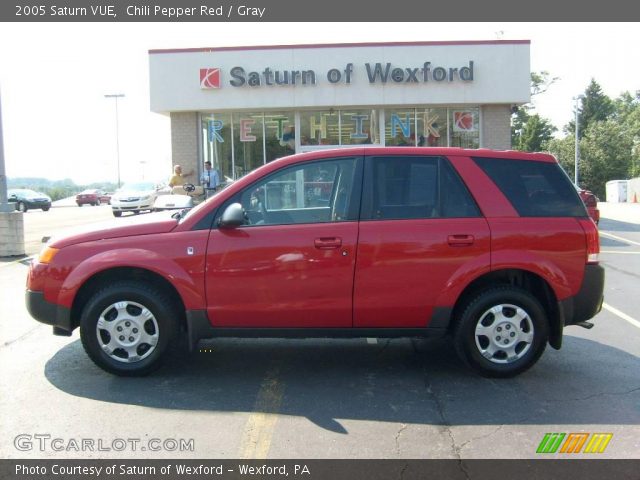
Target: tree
x=564, y=149
x=595, y=106
x=605, y=153
x=535, y=134
x=529, y=132
x=627, y=114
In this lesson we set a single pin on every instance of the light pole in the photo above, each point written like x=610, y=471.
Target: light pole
x=577, y=160
x=4, y=204
x=116, y=96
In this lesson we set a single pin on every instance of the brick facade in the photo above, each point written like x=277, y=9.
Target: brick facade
x=184, y=143
x=496, y=127
x=11, y=234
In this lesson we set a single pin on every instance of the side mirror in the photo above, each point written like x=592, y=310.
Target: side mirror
x=12, y=197
x=232, y=217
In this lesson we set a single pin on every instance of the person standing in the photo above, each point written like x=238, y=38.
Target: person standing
x=178, y=177
x=210, y=179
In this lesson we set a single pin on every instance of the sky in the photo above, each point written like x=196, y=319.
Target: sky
x=53, y=78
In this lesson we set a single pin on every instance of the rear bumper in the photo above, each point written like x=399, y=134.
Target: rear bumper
x=49, y=313
x=588, y=301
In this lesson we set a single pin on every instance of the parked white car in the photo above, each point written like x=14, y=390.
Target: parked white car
x=134, y=197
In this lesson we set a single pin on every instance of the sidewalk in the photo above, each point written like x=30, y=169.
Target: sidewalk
x=623, y=212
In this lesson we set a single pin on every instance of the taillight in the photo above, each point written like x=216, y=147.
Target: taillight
x=593, y=239
x=591, y=201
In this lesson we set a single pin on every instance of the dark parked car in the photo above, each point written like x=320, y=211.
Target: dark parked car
x=26, y=199
x=92, y=197
x=392, y=242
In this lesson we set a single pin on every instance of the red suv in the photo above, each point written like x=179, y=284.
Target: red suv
x=494, y=248
x=591, y=202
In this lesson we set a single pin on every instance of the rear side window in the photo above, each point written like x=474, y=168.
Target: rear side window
x=414, y=187
x=535, y=189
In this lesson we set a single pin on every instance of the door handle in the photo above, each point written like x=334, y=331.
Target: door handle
x=460, y=240
x=327, y=243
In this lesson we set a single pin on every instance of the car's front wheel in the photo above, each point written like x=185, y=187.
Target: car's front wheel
x=22, y=207
x=501, y=332
x=117, y=214
x=127, y=327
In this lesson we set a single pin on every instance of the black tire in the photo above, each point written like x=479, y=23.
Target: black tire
x=161, y=326
x=525, y=331
x=117, y=214
x=80, y=204
x=22, y=207
x=45, y=209
x=136, y=212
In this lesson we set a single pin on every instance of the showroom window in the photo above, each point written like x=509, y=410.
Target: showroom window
x=320, y=127
x=247, y=142
x=216, y=143
x=464, y=124
x=358, y=127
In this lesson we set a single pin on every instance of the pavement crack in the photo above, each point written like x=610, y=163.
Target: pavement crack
x=21, y=337
x=455, y=450
x=604, y=394
x=589, y=397
x=404, y=468
x=621, y=270
x=480, y=437
x=402, y=429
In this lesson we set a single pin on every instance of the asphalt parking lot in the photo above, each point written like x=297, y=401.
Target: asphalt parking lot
x=360, y=398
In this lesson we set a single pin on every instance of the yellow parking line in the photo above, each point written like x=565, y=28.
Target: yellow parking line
x=258, y=432
x=615, y=237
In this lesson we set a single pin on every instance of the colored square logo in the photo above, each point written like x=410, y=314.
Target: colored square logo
x=209, y=78
x=464, y=122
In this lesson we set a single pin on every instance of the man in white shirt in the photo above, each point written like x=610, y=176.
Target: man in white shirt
x=210, y=178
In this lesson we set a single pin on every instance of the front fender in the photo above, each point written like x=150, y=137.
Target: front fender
x=185, y=274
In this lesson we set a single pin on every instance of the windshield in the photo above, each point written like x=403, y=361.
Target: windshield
x=137, y=186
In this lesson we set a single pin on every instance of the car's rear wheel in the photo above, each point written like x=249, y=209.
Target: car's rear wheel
x=126, y=328
x=45, y=209
x=502, y=332
x=117, y=214
x=22, y=207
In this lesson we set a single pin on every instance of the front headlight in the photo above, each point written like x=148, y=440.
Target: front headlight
x=47, y=254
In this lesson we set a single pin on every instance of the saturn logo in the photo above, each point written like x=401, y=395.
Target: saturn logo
x=463, y=122
x=209, y=78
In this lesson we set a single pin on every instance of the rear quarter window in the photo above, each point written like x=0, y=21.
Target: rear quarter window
x=535, y=189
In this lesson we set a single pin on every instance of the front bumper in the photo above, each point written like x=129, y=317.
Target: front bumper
x=588, y=301
x=131, y=206
x=49, y=313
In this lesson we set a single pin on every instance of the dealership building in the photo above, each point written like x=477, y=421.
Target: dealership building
x=240, y=107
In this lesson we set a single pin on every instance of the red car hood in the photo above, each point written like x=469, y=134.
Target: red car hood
x=124, y=227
